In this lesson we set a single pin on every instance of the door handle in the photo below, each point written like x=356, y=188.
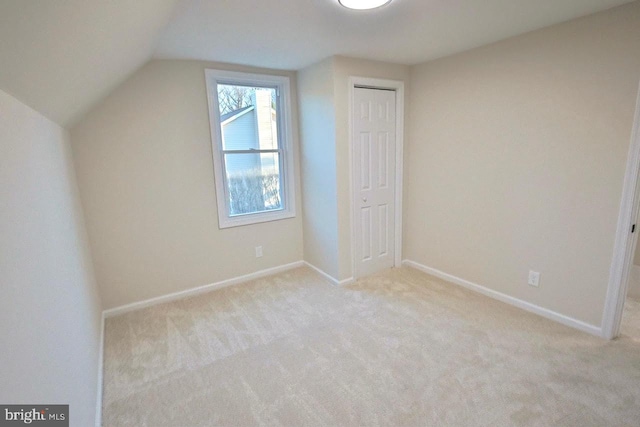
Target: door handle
x=364, y=199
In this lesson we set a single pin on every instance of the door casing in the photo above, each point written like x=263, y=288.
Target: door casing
x=398, y=87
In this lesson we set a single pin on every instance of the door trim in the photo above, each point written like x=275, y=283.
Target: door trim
x=624, y=241
x=398, y=87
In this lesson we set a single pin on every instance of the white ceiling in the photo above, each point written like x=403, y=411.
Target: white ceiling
x=291, y=34
x=62, y=56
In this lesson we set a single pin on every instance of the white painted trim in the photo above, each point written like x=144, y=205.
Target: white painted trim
x=398, y=87
x=285, y=137
x=524, y=305
x=624, y=242
x=200, y=289
x=347, y=281
x=329, y=277
x=100, y=374
x=324, y=274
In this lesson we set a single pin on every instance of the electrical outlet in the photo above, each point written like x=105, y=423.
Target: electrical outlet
x=534, y=278
x=258, y=251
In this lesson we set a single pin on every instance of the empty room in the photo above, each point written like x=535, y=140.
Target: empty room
x=319, y=213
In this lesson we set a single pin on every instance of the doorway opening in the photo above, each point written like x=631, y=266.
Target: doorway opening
x=630, y=325
x=630, y=320
x=621, y=276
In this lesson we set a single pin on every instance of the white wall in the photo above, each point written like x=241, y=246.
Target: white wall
x=50, y=311
x=144, y=163
x=318, y=166
x=516, y=158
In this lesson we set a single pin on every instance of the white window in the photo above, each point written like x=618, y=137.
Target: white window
x=250, y=118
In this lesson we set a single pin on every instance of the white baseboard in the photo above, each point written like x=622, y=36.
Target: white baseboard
x=100, y=374
x=199, y=290
x=524, y=305
x=329, y=277
x=346, y=281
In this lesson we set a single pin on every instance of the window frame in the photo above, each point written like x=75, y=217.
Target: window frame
x=282, y=85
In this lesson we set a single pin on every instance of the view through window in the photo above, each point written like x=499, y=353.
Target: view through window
x=250, y=148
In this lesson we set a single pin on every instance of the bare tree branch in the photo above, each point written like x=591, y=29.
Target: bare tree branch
x=232, y=98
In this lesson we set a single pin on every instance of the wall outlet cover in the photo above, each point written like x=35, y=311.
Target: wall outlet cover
x=534, y=278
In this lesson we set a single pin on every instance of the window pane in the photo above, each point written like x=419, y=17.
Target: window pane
x=253, y=182
x=248, y=117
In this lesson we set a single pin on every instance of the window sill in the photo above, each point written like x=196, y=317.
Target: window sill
x=256, y=218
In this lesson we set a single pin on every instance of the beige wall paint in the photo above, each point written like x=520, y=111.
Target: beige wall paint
x=318, y=166
x=516, y=158
x=61, y=57
x=324, y=105
x=143, y=158
x=343, y=69
x=50, y=313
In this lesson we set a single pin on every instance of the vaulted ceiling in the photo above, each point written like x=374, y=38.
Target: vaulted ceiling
x=291, y=34
x=62, y=56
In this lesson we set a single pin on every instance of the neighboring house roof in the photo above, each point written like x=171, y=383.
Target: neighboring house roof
x=232, y=115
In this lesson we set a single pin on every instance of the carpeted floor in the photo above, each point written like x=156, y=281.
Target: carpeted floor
x=397, y=349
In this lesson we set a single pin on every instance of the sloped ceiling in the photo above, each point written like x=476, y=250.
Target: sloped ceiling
x=61, y=56
x=291, y=34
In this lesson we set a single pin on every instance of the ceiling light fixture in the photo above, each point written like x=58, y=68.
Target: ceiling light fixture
x=363, y=4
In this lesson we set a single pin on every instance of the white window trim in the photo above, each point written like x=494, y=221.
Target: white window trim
x=213, y=77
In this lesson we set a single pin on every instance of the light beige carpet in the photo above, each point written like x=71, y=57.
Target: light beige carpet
x=397, y=349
